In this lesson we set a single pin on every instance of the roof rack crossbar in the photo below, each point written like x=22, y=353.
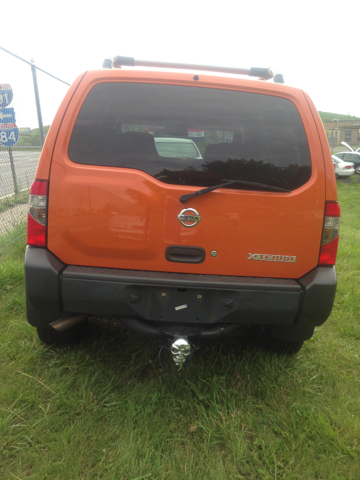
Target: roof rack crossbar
x=263, y=73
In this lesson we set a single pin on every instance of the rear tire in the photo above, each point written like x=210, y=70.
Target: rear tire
x=72, y=335
x=357, y=169
x=262, y=336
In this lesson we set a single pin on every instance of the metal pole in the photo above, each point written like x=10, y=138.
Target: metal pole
x=37, y=99
x=16, y=188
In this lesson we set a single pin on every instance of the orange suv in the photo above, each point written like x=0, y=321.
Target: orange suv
x=183, y=249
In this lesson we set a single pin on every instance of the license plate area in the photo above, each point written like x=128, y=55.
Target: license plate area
x=182, y=305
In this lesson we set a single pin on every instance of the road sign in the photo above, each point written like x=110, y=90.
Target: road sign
x=6, y=95
x=7, y=115
x=9, y=134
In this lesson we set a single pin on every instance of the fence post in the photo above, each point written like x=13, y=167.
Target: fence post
x=16, y=187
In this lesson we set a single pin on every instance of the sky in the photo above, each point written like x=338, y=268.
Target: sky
x=309, y=42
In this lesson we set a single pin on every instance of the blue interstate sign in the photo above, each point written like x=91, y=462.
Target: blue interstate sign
x=7, y=115
x=6, y=95
x=9, y=135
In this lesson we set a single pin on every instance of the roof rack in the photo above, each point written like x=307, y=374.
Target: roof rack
x=262, y=73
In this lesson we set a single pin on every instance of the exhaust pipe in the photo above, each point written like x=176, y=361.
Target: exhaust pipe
x=68, y=321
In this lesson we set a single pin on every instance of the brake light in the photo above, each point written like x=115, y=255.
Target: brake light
x=37, y=216
x=330, y=234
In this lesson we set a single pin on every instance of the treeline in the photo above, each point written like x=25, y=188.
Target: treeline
x=31, y=139
x=328, y=117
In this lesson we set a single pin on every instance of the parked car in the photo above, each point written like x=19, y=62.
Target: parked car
x=353, y=157
x=177, y=148
x=181, y=250
x=349, y=147
x=342, y=169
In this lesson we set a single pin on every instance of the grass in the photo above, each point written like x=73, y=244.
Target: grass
x=105, y=410
x=13, y=200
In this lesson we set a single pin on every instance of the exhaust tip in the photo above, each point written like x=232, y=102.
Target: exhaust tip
x=67, y=322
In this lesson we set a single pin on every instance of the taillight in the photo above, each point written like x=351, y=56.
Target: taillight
x=37, y=216
x=330, y=234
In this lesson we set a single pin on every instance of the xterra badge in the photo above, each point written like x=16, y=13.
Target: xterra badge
x=272, y=258
x=189, y=217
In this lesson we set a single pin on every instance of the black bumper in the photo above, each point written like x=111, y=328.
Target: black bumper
x=54, y=289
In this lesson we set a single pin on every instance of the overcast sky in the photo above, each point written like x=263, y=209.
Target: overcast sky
x=313, y=43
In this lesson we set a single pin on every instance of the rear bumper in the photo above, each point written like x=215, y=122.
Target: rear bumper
x=54, y=289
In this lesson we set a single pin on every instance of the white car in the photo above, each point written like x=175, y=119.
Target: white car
x=342, y=169
x=177, y=148
x=352, y=156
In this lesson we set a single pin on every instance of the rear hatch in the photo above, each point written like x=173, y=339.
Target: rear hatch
x=114, y=197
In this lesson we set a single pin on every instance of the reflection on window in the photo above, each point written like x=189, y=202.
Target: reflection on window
x=176, y=148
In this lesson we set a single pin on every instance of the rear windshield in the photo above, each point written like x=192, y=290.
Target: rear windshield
x=176, y=149
x=233, y=135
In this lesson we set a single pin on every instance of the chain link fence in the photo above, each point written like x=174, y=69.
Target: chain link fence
x=20, y=151
x=17, y=172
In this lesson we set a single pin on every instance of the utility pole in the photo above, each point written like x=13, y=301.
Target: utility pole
x=37, y=100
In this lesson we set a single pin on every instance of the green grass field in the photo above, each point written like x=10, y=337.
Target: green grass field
x=106, y=410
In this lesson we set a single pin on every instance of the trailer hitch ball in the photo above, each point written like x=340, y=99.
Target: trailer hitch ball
x=180, y=349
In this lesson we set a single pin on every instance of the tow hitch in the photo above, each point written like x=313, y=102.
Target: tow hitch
x=180, y=340
x=180, y=351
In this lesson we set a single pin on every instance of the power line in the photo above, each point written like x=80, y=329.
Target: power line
x=32, y=64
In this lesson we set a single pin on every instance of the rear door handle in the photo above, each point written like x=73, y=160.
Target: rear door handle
x=180, y=254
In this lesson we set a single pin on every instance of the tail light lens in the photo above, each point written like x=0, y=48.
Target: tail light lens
x=37, y=216
x=330, y=234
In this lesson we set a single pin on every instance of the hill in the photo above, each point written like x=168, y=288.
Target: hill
x=33, y=138
x=327, y=116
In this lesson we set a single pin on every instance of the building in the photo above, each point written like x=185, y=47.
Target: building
x=343, y=131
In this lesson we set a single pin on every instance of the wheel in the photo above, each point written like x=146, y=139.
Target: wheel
x=336, y=175
x=72, y=335
x=357, y=169
x=262, y=335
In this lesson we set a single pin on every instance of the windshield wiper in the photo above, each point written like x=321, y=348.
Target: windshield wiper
x=185, y=198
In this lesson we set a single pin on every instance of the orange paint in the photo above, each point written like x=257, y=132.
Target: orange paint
x=125, y=218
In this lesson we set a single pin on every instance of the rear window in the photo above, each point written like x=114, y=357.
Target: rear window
x=176, y=149
x=349, y=157
x=239, y=135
